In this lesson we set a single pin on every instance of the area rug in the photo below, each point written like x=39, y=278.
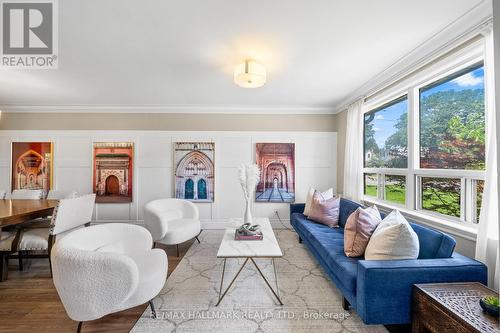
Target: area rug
x=311, y=301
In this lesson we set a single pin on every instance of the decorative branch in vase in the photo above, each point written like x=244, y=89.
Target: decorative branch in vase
x=249, y=175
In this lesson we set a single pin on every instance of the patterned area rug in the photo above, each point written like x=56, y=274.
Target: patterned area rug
x=311, y=301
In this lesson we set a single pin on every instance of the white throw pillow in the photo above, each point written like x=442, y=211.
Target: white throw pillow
x=328, y=194
x=394, y=238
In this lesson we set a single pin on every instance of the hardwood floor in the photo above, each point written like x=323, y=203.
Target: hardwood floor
x=29, y=301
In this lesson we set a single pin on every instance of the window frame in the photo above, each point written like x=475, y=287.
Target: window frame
x=468, y=59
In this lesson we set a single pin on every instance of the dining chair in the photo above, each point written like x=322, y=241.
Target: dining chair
x=27, y=194
x=8, y=245
x=52, y=195
x=172, y=221
x=9, y=239
x=107, y=268
x=61, y=194
x=69, y=214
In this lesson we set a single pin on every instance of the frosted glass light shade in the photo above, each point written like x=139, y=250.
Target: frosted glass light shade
x=250, y=74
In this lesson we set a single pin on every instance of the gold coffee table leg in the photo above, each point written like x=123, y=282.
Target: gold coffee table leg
x=230, y=284
x=267, y=282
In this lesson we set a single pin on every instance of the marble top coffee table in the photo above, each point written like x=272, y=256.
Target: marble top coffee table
x=267, y=248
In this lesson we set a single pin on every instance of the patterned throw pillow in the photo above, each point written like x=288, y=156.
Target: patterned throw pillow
x=328, y=194
x=394, y=238
x=325, y=211
x=359, y=228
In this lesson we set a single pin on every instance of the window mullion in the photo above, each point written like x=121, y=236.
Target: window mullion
x=473, y=201
x=381, y=186
x=412, y=147
x=466, y=201
x=418, y=190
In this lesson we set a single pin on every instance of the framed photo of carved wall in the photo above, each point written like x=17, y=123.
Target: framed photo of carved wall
x=113, y=165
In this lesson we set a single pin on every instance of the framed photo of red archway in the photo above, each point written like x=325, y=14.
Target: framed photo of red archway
x=32, y=166
x=277, y=172
x=113, y=171
x=194, y=167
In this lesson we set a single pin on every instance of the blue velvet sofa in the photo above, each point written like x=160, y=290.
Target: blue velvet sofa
x=380, y=290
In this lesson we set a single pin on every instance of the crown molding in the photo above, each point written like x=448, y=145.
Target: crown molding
x=219, y=109
x=465, y=27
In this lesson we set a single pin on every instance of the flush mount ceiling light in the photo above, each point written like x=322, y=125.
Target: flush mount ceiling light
x=250, y=74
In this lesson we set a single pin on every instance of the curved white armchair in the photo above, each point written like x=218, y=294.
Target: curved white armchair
x=172, y=221
x=107, y=268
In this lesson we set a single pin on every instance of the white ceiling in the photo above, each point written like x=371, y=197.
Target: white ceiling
x=166, y=53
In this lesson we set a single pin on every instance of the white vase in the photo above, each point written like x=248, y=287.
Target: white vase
x=248, y=213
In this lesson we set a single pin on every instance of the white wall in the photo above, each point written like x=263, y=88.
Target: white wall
x=315, y=159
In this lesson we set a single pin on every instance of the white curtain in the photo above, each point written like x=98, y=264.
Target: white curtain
x=353, y=164
x=487, y=250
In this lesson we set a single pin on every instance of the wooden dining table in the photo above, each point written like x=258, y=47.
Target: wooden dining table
x=13, y=212
x=18, y=211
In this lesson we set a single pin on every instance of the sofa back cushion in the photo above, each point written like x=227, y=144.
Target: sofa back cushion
x=434, y=244
x=347, y=207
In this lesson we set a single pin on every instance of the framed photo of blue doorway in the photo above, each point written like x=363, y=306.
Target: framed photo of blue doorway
x=194, y=166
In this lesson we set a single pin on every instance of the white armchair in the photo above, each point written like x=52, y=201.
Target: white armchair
x=107, y=268
x=172, y=221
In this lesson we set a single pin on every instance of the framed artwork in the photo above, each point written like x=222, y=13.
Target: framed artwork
x=194, y=165
x=277, y=172
x=32, y=166
x=113, y=171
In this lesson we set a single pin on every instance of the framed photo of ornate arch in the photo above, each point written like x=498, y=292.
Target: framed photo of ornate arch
x=112, y=176
x=32, y=166
x=277, y=172
x=194, y=171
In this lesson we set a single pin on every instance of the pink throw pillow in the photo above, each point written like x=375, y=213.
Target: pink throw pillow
x=358, y=229
x=325, y=211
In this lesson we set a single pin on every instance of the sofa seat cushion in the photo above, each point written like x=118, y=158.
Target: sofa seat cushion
x=331, y=249
x=329, y=244
x=310, y=228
